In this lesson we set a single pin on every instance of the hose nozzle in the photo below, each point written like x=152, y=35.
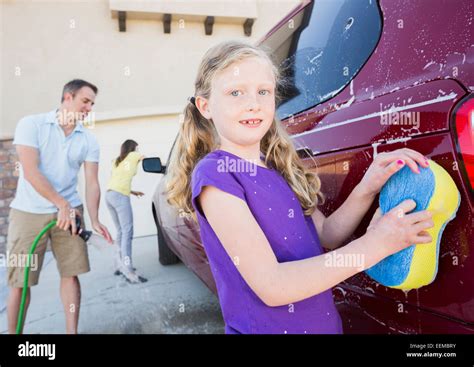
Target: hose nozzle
x=84, y=234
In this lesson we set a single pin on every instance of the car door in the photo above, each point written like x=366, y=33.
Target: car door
x=357, y=85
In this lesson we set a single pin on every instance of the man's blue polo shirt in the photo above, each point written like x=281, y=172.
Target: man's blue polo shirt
x=60, y=159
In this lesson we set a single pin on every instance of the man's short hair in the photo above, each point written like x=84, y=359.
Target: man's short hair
x=74, y=85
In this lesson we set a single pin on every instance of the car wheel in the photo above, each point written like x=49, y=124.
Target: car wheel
x=165, y=255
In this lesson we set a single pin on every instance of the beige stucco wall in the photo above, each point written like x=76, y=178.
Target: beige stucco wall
x=144, y=76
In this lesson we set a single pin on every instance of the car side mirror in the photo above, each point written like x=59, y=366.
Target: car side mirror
x=153, y=165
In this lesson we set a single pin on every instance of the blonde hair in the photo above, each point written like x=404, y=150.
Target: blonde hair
x=197, y=137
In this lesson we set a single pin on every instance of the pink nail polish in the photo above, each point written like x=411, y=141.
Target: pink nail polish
x=400, y=162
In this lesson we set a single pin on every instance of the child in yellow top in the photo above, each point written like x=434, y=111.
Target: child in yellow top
x=124, y=167
x=122, y=174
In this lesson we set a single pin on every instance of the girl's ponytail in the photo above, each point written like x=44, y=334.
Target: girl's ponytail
x=196, y=138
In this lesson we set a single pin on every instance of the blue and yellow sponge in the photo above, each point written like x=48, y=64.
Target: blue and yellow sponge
x=434, y=190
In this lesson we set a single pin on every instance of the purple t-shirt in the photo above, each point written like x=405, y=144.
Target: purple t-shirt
x=291, y=234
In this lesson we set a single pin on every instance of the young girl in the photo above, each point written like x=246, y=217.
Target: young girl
x=236, y=169
x=124, y=167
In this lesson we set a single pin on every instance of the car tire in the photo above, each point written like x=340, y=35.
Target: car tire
x=165, y=255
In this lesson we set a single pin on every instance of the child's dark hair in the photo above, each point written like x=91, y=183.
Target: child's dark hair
x=127, y=147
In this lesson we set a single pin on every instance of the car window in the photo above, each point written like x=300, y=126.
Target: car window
x=328, y=45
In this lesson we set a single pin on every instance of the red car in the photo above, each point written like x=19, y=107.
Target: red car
x=366, y=77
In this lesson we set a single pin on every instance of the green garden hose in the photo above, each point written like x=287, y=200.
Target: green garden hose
x=85, y=235
x=19, y=325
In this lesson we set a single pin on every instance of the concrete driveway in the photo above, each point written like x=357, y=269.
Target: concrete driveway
x=173, y=300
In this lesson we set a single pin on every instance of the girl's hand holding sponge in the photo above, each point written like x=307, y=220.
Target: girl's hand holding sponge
x=415, y=206
x=387, y=164
x=397, y=229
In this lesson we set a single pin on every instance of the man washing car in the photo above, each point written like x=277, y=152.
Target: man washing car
x=51, y=148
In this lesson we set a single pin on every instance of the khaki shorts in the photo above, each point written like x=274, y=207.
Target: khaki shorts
x=69, y=251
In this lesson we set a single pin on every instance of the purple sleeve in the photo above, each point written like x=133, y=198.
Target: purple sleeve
x=206, y=173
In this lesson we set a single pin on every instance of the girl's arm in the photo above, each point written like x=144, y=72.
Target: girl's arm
x=336, y=228
x=278, y=284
